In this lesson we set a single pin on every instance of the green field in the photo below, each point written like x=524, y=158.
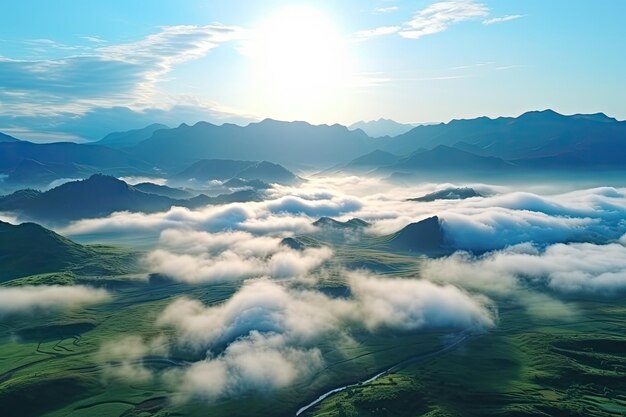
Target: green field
x=528, y=365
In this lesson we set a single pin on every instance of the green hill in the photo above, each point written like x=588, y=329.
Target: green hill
x=29, y=249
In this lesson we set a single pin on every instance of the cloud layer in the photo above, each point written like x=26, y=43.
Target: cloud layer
x=31, y=299
x=203, y=257
x=264, y=337
x=565, y=268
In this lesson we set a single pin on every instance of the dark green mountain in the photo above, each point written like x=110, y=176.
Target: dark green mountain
x=163, y=190
x=424, y=237
x=222, y=169
x=448, y=194
x=97, y=196
x=130, y=138
x=329, y=222
x=29, y=249
x=213, y=169
x=101, y=195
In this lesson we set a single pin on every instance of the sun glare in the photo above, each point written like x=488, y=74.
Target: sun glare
x=299, y=60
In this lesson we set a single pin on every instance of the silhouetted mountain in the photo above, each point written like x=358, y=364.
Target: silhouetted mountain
x=6, y=138
x=293, y=243
x=329, y=222
x=163, y=190
x=382, y=127
x=423, y=237
x=101, y=195
x=373, y=159
x=31, y=172
x=535, y=134
x=25, y=160
x=236, y=197
x=448, y=194
x=446, y=159
x=269, y=173
x=221, y=169
x=29, y=249
x=287, y=143
x=242, y=183
x=131, y=137
x=213, y=169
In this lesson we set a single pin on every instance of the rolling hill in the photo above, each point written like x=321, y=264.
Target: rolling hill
x=29, y=249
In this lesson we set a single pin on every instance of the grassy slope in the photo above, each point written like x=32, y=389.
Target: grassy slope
x=49, y=365
x=526, y=367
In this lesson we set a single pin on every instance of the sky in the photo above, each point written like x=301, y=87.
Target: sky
x=75, y=70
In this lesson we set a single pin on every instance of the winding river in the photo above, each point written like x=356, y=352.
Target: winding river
x=451, y=344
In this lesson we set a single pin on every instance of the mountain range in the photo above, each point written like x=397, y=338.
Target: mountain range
x=101, y=195
x=534, y=141
x=381, y=127
x=130, y=138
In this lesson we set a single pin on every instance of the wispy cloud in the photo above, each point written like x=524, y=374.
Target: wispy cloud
x=387, y=9
x=436, y=18
x=106, y=75
x=439, y=16
x=502, y=19
x=376, y=32
x=94, y=39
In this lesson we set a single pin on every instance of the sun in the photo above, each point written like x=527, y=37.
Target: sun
x=300, y=60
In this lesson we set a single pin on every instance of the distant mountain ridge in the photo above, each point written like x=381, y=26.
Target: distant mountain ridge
x=535, y=134
x=130, y=137
x=382, y=127
x=534, y=141
x=287, y=143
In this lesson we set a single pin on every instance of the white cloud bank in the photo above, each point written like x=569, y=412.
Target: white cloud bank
x=565, y=268
x=29, y=299
x=195, y=257
x=270, y=331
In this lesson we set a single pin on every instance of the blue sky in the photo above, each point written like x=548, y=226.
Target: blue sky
x=77, y=69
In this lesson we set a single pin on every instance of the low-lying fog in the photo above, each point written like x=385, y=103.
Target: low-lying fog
x=539, y=246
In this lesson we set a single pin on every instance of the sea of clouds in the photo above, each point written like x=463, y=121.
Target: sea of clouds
x=538, y=245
